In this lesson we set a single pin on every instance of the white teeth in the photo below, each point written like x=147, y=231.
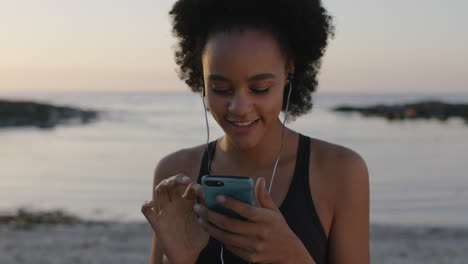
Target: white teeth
x=243, y=123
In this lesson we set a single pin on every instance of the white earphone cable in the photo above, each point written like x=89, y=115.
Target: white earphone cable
x=282, y=137
x=207, y=134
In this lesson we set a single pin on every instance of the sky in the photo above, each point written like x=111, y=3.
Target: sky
x=380, y=46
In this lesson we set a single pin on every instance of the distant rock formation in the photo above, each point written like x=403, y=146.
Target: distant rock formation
x=25, y=113
x=25, y=218
x=422, y=110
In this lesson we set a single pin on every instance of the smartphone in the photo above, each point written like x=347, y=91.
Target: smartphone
x=239, y=188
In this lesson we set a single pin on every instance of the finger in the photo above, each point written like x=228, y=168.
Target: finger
x=262, y=195
x=193, y=191
x=256, y=193
x=257, y=202
x=179, y=179
x=227, y=223
x=245, y=210
x=176, y=186
x=183, y=179
x=245, y=242
x=150, y=214
x=161, y=195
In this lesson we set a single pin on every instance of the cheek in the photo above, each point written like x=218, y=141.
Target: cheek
x=217, y=107
x=273, y=104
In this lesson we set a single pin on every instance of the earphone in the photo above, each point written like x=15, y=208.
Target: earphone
x=290, y=78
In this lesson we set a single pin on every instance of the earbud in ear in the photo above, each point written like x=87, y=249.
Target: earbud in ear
x=290, y=76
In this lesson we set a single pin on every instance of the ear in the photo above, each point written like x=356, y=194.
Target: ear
x=290, y=70
x=205, y=102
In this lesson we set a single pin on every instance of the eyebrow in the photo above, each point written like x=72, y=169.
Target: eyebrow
x=258, y=77
x=262, y=76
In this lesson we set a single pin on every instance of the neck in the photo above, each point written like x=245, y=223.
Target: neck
x=263, y=154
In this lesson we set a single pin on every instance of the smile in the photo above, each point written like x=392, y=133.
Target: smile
x=243, y=124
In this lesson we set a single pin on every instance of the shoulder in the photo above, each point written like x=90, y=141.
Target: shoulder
x=342, y=169
x=336, y=159
x=344, y=180
x=185, y=161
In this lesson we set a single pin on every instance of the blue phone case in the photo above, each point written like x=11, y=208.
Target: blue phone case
x=240, y=188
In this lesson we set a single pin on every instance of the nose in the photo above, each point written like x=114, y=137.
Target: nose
x=240, y=104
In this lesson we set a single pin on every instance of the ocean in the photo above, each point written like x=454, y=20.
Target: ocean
x=104, y=170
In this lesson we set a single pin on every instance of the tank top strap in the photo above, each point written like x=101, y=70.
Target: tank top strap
x=301, y=171
x=299, y=186
x=204, y=169
x=312, y=235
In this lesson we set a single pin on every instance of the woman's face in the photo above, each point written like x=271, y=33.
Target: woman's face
x=244, y=74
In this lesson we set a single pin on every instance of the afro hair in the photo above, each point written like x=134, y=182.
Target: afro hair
x=302, y=27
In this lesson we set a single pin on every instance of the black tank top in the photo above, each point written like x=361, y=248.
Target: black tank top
x=297, y=208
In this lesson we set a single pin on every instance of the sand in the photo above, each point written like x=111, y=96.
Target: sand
x=130, y=243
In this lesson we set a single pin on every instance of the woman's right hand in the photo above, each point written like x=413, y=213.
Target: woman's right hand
x=171, y=216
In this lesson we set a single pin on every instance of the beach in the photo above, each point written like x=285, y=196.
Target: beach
x=113, y=242
x=99, y=98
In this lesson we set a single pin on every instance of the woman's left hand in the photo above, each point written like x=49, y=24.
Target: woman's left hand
x=264, y=238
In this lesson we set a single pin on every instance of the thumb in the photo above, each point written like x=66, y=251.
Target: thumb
x=194, y=191
x=262, y=195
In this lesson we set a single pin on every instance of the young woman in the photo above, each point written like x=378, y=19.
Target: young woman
x=250, y=60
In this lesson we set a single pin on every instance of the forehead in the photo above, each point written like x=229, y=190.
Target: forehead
x=249, y=50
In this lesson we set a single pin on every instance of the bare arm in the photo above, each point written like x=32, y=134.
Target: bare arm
x=157, y=256
x=156, y=252
x=349, y=236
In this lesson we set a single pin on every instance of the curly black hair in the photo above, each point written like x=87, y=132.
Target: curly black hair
x=302, y=27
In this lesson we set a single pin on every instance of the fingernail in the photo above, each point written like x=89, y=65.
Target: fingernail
x=147, y=202
x=196, y=207
x=185, y=179
x=221, y=198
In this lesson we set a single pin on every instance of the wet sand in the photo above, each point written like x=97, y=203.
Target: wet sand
x=107, y=242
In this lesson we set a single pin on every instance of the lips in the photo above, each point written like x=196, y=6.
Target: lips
x=242, y=123
x=243, y=126
x=245, y=123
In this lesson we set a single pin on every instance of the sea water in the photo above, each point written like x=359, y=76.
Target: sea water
x=104, y=170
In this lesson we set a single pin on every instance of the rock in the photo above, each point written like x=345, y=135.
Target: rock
x=26, y=219
x=25, y=113
x=421, y=110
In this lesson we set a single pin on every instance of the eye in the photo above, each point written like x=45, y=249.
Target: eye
x=259, y=90
x=220, y=91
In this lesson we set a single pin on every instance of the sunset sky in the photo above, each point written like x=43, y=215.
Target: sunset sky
x=125, y=45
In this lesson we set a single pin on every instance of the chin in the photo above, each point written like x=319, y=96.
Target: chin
x=244, y=141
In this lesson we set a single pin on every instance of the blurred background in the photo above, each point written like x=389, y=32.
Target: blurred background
x=116, y=57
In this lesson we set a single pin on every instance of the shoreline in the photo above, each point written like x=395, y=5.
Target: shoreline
x=22, y=218
x=103, y=242
x=85, y=241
